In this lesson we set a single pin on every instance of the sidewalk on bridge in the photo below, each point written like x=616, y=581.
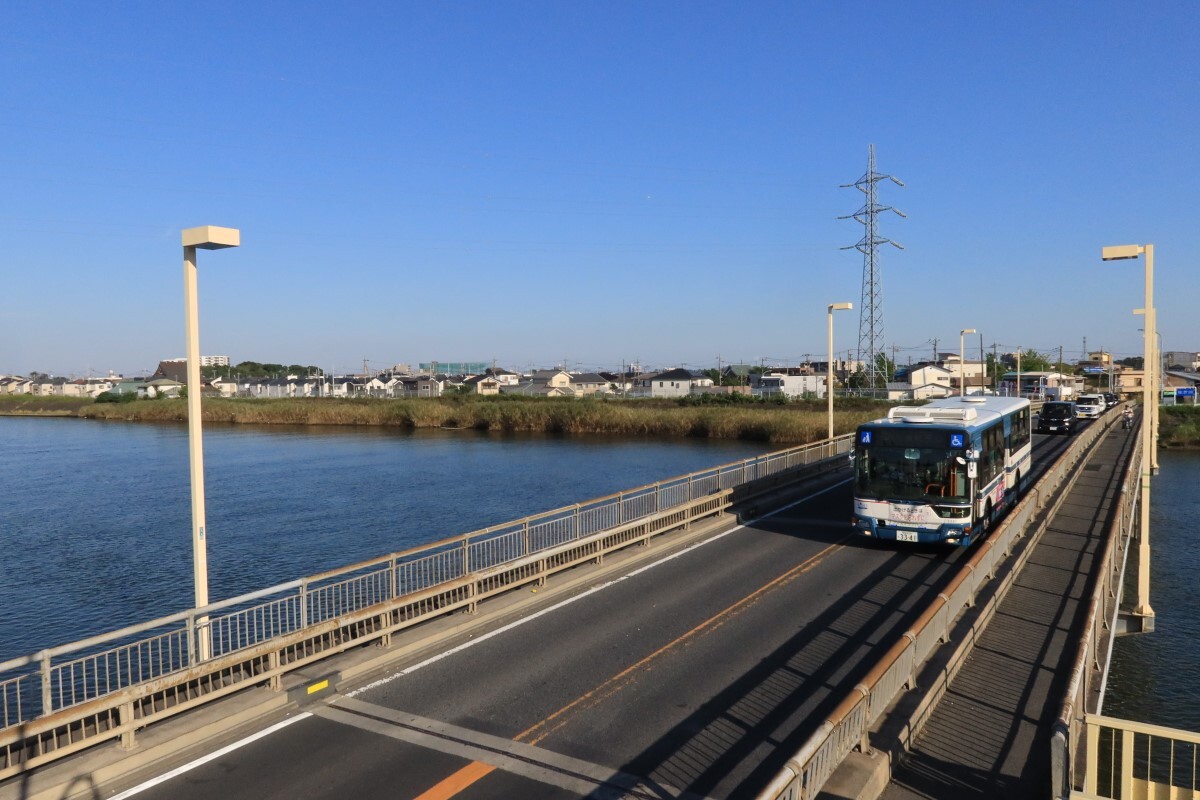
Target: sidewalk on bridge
x=989, y=735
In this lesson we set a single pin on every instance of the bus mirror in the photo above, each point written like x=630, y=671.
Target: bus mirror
x=972, y=470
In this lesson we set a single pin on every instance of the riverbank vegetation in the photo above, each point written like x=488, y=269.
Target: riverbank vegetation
x=1179, y=426
x=42, y=405
x=785, y=423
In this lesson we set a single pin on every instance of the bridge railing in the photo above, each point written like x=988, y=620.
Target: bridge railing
x=848, y=726
x=1130, y=760
x=1094, y=756
x=1095, y=642
x=65, y=698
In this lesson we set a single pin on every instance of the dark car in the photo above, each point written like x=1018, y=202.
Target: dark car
x=1110, y=400
x=1058, y=417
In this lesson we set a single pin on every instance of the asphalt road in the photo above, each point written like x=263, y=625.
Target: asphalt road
x=697, y=676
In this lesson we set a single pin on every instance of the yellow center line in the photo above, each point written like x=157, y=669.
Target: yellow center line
x=533, y=735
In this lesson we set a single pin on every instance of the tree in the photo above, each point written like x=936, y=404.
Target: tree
x=1033, y=361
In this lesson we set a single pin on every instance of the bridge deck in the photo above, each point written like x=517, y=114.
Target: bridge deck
x=989, y=735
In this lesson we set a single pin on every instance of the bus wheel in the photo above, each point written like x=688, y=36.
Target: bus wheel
x=1020, y=487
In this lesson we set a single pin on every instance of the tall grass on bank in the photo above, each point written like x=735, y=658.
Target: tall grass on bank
x=42, y=405
x=791, y=423
x=1179, y=426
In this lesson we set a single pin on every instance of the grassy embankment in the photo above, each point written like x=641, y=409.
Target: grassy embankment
x=1179, y=426
x=33, y=405
x=790, y=423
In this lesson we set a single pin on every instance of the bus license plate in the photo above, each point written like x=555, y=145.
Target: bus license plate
x=906, y=536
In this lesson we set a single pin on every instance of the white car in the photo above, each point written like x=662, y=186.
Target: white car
x=1090, y=406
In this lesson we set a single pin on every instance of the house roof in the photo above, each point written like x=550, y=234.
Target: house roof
x=677, y=374
x=172, y=370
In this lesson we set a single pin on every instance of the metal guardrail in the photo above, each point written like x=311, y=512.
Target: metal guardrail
x=67, y=698
x=850, y=723
x=1134, y=760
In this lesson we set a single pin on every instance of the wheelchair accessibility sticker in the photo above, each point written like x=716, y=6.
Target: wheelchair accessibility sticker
x=956, y=440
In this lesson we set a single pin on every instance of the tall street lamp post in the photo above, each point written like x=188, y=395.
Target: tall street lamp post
x=207, y=237
x=962, y=361
x=1149, y=406
x=829, y=375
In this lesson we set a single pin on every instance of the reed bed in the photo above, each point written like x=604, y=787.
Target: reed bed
x=789, y=424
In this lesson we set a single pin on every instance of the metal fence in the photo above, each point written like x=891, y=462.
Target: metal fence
x=849, y=725
x=1136, y=761
x=253, y=635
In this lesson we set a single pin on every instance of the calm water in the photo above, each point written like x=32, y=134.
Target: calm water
x=95, y=517
x=1156, y=677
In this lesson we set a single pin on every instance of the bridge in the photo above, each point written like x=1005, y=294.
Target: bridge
x=719, y=634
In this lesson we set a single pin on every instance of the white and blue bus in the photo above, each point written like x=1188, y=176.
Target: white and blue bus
x=943, y=471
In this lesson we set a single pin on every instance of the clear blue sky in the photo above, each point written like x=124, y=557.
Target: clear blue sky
x=596, y=182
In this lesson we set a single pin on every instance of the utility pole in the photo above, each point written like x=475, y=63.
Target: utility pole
x=870, y=321
x=935, y=344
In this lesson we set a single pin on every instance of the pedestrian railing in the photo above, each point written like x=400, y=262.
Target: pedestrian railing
x=1131, y=760
x=1094, y=756
x=66, y=698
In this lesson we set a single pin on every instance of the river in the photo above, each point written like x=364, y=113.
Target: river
x=1155, y=677
x=95, y=517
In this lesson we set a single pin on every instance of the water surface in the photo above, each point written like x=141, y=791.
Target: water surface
x=95, y=516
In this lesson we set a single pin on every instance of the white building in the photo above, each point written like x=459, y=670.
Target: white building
x=775, y=383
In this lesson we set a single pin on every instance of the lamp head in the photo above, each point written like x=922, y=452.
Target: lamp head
x=841, y=306
x=211, y=237
x=1121, y=251
x=965, y=331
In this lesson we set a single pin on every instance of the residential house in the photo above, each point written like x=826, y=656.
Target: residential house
x=483, y=384
x=586, y=384
x=162, y=387
x=431, y=385
x=1181, y=360
x=672, y=383
x=174, y=369
x=15, y=384
x=503, y=377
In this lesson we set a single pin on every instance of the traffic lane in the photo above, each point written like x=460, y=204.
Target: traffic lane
x=468, y=695
x=742, y=648
x=612, y=628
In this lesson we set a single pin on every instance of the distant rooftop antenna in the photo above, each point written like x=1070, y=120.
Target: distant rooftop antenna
x=870, y=319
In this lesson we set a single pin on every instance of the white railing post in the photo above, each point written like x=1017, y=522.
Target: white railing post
x=303, y=604
x=47, y=694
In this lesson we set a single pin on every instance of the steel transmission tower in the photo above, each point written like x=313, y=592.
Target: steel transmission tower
x=870, y=319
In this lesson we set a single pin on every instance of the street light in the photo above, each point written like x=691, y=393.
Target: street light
x=1149, y=407
x=207, y=237
x=829, y=375
x=962, y=362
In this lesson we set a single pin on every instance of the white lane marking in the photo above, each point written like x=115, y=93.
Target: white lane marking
x=531, y=617
x=433, y=659
x=166, y=776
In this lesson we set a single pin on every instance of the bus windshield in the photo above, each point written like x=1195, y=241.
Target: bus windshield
x=908, y=464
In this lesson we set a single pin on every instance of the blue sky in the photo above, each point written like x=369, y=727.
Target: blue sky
x=590, y=182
